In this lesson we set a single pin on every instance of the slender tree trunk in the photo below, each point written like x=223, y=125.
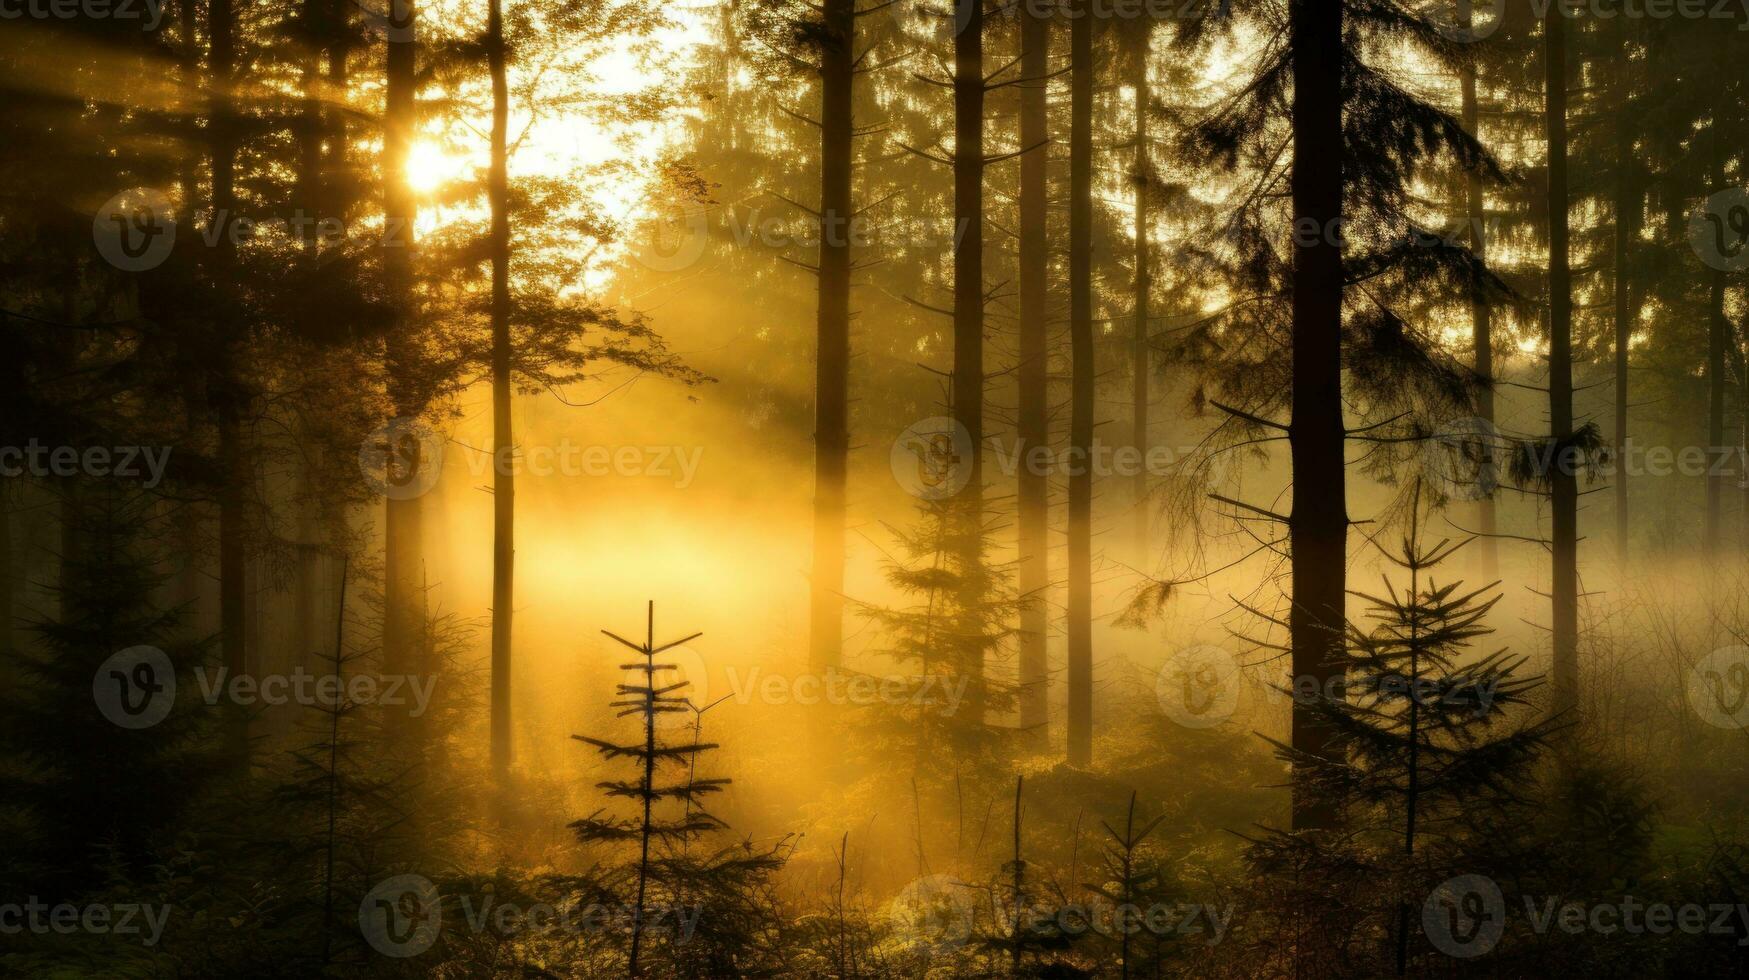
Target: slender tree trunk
x=230, y=405
x=1081, y=389
x=1318, y=526
x=402, y=518
x=968, y=298
x=1481, y=317
x=1627, y=206
x=1627, y=226
x=832, y=353
x=1715, y=428
x=1563, y=484
x=1034, y=421
x=8, y=587
x=1717, y=330
x=1142, y=180
x=503, y=440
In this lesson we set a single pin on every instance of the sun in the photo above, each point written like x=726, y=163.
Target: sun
x=429, y=167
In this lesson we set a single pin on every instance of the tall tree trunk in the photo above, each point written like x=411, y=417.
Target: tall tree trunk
x=230, y=408
x=1627, y=208
x=832, y=352
x=503, y=440
x=402, y=523
x=8, y=587
x=1142, y=179
x=1034, y=421
x=1081, y=389
x=1717, y=330
x=1715, y=427
x=1627, y=221
x=1318, y=526
x=1481, y=316
x=1563, y=484
x=968, y=298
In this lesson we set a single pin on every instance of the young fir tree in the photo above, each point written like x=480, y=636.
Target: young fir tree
x=351, y=815
x=726, y=889
x=1425, y=734
x=96, y=792
x=956, y=628
x=1026, y=935
x=1129, y=879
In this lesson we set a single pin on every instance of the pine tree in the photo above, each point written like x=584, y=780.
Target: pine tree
x=1425, y=730
x=665, y=874
x=960, y=618
x=90, y=785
